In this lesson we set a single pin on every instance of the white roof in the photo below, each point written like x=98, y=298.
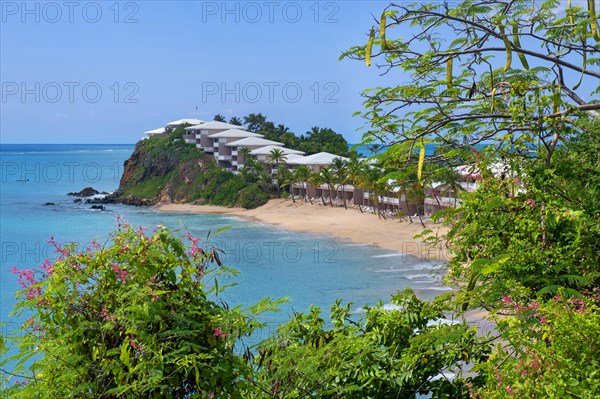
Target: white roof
x=320, y=158
x=214, y=125
x=156, y=131
x=185, y=121
x=291, y=157
x=252, y=142
x=234, y=133
x=266, y=150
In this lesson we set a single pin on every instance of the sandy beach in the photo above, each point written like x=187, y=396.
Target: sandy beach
x=351, y=224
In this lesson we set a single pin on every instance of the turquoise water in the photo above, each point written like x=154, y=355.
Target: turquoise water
x=307, y=268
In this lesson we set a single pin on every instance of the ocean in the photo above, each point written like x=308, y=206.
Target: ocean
x=308, y=268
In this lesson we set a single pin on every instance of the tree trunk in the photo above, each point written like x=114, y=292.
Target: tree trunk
x=407, y=206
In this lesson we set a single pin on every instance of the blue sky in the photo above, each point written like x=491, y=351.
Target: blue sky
x=105, y=72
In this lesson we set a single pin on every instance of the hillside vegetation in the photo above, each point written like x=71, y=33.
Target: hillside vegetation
x=167, y=169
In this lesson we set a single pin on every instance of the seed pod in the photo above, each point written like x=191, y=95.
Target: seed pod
x=382, y=25
x=593, y=20
x=556, y=99
x=508, y=47
x=518, y=44
x=493, y=96
x=420, y=165
x=569, y=11
x=584, y=54
x=369, y=47
x=449, y=73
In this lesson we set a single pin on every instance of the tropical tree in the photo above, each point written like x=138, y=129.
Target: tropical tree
x=236, y=121
x=285, y=178
x=329, y=179
x=316, y=179
x=276, y=156
x=244, y=154
x=219, y=118
x=355, y=170
x=323, y=139
x=254, y=122
x=302, y=174
x=460, y=94
x=339, y=168
x=451, y=179
x=371, y=181
x=252, y=170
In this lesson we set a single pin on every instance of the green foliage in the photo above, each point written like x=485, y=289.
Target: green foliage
x=252, y=197
x=389, y=353
x=319, y=139
x=550, y=350
x=139, y=317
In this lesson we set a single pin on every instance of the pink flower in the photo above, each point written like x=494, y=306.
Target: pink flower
x=509, y=390
x=530, y=202
x=104, y=314
x=218, y=333
x=121, y=273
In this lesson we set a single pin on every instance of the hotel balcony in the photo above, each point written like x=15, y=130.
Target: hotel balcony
x=190, y=138
x=224, y=157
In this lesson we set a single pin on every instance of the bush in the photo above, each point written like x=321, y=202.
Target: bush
x=138, y=318
x=252, y=197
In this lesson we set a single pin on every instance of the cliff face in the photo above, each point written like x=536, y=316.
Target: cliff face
x=158, y=171
x=166, y=170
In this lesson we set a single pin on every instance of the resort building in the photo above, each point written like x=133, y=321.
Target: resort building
x=198, y=134
x=160, y=132
x=251, y=143
x=180, y=122
x=225, y=141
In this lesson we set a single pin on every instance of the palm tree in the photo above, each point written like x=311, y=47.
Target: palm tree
x=265, y=180
x=244, y=152
x=285, y=178
x=328, y=178
x=316, y=179
x=236, y=121
x=451, y=179
x=355, y=169
x=276, y=156
x=370, y=181
x=339, y=168
x=219, y=118
x=301, y=175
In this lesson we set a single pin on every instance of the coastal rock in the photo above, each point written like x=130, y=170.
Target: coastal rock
x=49, y=203
x=99, y=207
x=86, y=192
x=77, y=201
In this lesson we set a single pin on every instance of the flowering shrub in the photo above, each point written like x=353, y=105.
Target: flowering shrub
x=551, y=350
x=135, y=318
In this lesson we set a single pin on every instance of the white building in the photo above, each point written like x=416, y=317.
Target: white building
x=160, y=132
x=180, y=122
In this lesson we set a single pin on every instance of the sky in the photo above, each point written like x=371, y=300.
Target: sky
x=105, y=72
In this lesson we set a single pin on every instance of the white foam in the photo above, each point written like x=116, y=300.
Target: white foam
x=388, y=255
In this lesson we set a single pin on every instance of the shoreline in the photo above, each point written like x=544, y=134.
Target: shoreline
x=350, y=224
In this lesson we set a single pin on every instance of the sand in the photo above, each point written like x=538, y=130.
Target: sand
x=350, y=224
